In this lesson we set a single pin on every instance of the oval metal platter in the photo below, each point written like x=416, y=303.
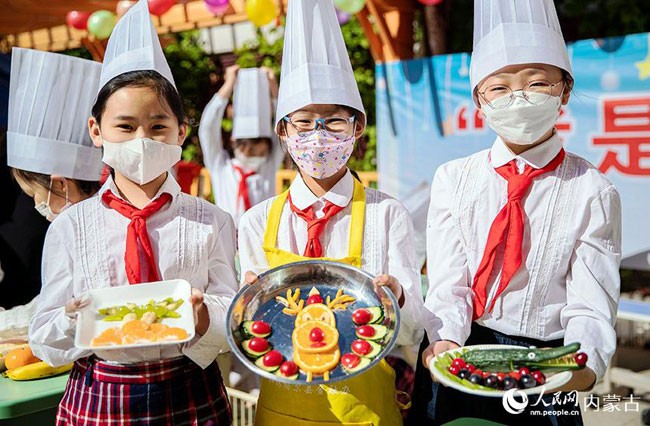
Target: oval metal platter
x=259, y=302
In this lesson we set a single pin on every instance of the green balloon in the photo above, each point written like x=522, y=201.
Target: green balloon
x=101, y=23
x=350, y=6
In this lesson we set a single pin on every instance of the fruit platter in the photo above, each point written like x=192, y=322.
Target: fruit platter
x=492, y=370
x=312, y=322
x=136, y=316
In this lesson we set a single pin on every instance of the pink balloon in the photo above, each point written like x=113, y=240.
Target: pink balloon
x=222, y=3
x=342, y=17
x=216, y=9
x=78, y=20
x=123, y=6
x=160, y=7
x=430, y=2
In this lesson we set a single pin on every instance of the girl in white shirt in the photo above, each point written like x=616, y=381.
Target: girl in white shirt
x=167, y=235
x=243, y=175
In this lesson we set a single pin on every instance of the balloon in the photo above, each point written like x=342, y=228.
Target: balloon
x=101, y=23
x=122, y=7
x=430, y=2
x=261, y=12
x=350, y=6
x=342, y=17
x=216, y=7
x=160, y=7
x=78, y=20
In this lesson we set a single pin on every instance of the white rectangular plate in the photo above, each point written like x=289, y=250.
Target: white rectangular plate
x=90, y=323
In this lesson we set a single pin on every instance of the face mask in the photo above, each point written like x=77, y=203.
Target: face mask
x=45, y=210
x=320, y=153
x=523, y=123
x=141, y=160
x=249, y=163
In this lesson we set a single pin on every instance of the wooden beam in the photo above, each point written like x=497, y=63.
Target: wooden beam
x=376, y=48
x=384, y=33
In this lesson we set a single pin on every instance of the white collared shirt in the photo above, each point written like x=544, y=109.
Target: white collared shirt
x=568, y=285
x=225, y=179
x=84, y=249
x=388, y=244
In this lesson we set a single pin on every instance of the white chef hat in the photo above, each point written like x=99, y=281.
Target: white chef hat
x=316, y=68
x=511, y=32
x=50, y=98
x=252, y=105
x=134, y=46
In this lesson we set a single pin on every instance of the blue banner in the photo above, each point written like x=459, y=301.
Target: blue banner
x=426, y=117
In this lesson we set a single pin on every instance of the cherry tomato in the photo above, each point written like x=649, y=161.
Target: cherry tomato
x=501, y=376
x=539, y=377
x=361, y=316
x=471, y=368
x=288, y=368
x=478, y=372
x=454, y=370
x=515, y=375
x=314, y=298
x=260, y=327
x=485, y=374
x=524, y=371
x=350, y=360
x=581, y=358
x=272, y=359
x=366, y=331
x=316, y=335
x=459, y=362
x=258, y=344
x=361, y=347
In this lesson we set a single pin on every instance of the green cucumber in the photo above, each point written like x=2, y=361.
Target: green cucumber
x=376, y=348
x=363, y=363
x=279, y=374
x=377, y=314
x=498, y=358
x=260, y=363
x=380, y=332
x=251, y=353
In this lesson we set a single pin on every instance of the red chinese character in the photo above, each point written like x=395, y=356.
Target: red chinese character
x=627, y=115
x=460, y=119
x=634, y=156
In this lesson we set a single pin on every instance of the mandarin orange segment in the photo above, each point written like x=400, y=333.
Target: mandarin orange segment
x=317, y=363
x=172, y=333
x=109, y=337
x=138, y=331
x=302, y=342
x=316, y=312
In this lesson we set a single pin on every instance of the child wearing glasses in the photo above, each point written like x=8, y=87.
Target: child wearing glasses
x=523, y=239
x=327, y=214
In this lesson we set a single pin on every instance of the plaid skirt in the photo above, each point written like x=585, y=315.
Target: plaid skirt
x=167, y=392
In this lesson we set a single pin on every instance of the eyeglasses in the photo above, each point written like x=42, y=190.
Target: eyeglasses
x=336, y=125
x=536, y=92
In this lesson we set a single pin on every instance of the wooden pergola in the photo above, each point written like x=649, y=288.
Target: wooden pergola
x=40, y=24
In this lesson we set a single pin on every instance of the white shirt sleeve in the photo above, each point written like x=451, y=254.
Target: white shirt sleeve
x=402, y=264
x=51, y=332
x=218, y=295
x=593, y=282
x=448, y=305
x=210, y=133
x=252, y=227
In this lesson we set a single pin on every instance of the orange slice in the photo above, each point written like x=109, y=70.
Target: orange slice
x=302, y=342
x=319, y=363
x=109, y=337
x=316, y=312
x=170, y=333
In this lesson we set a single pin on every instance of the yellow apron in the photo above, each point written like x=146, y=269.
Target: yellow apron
x=366, y=400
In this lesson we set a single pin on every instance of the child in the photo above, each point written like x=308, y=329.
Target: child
x=56, y=168
x=326, y=213
x=248, y=178
x=524, y=238
x=140, y=228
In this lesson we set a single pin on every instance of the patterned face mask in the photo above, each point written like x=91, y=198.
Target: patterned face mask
x=320, y=153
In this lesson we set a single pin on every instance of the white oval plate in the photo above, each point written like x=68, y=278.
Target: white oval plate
x=553, y=380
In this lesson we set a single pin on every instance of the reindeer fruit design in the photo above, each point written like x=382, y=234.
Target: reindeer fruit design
x=315, y=337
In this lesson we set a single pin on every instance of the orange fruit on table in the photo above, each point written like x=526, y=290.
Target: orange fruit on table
x=109, y=337
x=316, y=312
x=302, y=342
x=19, y=357
x=317, y=363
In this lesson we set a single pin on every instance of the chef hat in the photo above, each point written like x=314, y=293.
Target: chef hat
x=315, y=64
x=50, y=98
x=252, y=105
x=134, y=46
x=511, y=32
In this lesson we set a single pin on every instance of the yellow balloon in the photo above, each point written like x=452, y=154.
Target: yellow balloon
x=261, y=12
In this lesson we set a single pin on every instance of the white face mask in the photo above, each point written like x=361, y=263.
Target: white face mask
x=141, y=160
x=523, y=123
x=249, y=163
x=46, y=211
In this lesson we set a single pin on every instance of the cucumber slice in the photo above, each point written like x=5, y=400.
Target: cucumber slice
x=377, y=313
x=363, y=363
x=279, y=374
x=376, y=348
x=380, y=332
x=247, y=326
x=260, y=363
x=251, y=353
